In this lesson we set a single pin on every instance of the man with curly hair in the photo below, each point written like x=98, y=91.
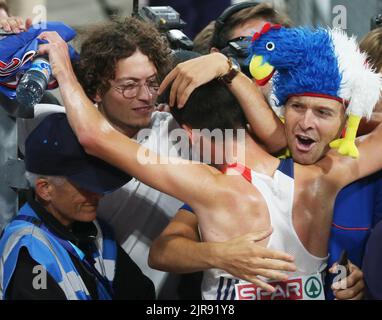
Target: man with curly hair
x=114, y=60
x=121, y=66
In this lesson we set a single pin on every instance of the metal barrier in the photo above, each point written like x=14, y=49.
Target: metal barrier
x=11, y=168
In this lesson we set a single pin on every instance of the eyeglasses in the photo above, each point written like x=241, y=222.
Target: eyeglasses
x=131, y=88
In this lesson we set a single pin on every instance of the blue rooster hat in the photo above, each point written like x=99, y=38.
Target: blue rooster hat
x=315, y=62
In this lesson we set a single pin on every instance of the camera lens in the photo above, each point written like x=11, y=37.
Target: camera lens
x=376, y=22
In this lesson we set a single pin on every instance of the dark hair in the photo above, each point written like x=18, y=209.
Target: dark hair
x=262, y=11
x=180, y=56
x=211, y=106
x=114, y=41
x=202, y=41
x=177, y=56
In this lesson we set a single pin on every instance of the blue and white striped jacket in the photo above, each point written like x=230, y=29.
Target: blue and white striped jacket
x=47, y=251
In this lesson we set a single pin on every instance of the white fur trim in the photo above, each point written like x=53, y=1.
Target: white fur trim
x=360, y=84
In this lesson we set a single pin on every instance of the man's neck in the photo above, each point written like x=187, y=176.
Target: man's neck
x=48, y=213
x=59, y=217
x=126, y=130
x=253, y=156
x=79, y=233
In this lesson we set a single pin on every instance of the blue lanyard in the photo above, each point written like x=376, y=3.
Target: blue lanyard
x=74, y=251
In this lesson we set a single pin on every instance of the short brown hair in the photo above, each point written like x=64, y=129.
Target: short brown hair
x=211, y=106
x=262, y=11
x=372, y=45
x=114, y=41
x=202, y=41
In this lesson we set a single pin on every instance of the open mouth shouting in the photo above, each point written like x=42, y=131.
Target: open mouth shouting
x=304, y=143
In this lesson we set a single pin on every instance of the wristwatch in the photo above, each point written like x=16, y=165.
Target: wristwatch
x=234, y=69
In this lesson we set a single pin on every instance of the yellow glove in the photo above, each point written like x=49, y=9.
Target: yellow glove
x=346, y=146
x=285, y=154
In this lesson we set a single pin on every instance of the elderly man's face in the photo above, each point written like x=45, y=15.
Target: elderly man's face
x=311, y=124
x=68, y=203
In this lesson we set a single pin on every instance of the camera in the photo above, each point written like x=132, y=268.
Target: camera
x=238, y=49
x=376, y=22
x=169, y=23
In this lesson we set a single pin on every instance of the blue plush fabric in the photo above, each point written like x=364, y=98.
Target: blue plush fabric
x=305, y=61
x=17, y=52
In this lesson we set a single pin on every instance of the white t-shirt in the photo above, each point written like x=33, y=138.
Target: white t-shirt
x=139, y=213
x=278, y=193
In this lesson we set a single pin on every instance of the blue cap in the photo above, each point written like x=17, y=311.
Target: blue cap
x=52, y=149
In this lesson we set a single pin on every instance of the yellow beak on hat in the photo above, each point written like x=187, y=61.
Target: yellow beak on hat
x=260, y=70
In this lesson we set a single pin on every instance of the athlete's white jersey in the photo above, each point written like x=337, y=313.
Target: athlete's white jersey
x=278, y=192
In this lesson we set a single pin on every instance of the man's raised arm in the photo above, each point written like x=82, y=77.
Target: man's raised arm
x=99, y=138
x=189, y=75
x=345, y=170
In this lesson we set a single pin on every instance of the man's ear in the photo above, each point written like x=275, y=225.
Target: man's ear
x=43, y=189
x=97, y=98
x=193, y=135
x=213, y=49
x=188, y=130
